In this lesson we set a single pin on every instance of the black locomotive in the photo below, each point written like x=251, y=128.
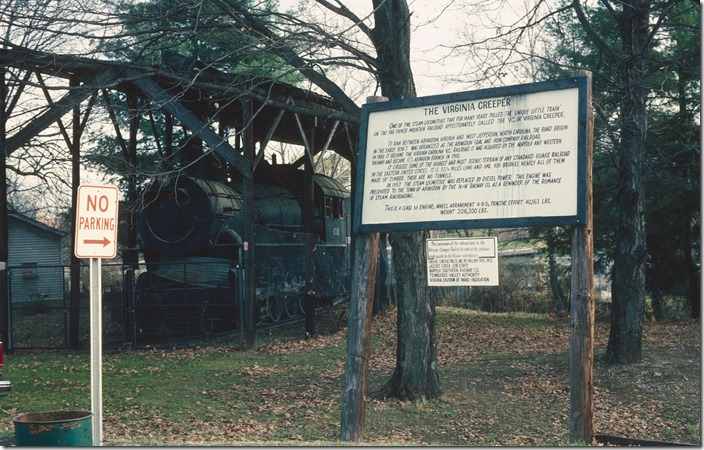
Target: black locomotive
x=191, y=228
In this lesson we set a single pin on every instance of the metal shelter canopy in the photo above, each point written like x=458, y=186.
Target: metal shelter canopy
x=196, y=98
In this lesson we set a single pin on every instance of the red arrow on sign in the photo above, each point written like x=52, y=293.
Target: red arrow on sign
x=105, y=241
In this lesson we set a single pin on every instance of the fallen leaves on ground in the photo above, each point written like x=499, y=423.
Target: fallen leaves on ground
x=465, y=336
x=498, y=372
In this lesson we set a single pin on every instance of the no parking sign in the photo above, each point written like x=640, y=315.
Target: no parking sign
x=96, y=222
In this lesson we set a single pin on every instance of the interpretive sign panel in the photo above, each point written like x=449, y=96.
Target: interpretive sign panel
x=513, y=156
x=463, y=262
x=96, y=222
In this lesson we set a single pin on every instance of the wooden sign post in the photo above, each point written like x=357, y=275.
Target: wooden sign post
x=582, y=310
x=354, y=399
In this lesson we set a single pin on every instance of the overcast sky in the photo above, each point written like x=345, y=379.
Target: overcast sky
x=437, y=26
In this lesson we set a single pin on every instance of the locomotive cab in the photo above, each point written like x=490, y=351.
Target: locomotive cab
x=334, y=201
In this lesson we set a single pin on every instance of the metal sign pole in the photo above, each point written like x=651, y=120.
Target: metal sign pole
x=96, y=238
x=96, y=350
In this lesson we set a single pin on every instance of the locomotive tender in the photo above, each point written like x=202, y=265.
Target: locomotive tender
x=191, y=227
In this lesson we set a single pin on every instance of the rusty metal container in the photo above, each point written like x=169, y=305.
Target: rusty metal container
x=54, y=428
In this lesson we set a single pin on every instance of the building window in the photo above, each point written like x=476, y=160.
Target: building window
x=30, y=270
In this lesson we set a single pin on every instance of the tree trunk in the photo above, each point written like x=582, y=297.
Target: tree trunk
x=560, y=306
x=392, y=40
x=75, y=272
x=658, y=306
x=628, y=277
x=691, y=261
x=693, y=275
x=415, y=377
x=4, y=227
x=559, y=301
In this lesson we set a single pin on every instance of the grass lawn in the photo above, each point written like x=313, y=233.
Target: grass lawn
x=505, y=381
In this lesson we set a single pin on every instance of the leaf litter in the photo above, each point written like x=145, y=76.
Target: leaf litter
x=505, y=381
x=521, y=361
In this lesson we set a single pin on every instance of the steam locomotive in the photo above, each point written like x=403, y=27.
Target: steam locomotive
x=191, y=228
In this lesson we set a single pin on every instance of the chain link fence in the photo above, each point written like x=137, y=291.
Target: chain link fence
x=171, y=303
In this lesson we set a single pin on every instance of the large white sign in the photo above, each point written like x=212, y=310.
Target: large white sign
x=463, y=262
x=503, y=157
x=96, y=222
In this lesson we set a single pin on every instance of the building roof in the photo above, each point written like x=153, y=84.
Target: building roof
x=279, y=110
x=41, y=227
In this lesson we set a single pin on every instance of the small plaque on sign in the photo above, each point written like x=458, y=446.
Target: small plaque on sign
x=463, y=262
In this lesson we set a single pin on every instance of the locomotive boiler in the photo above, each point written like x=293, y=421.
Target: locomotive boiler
x=191, y=228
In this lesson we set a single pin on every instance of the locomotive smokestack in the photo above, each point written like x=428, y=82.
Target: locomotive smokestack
x=189, y=154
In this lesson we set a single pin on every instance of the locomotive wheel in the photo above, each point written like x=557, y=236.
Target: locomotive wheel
x=275, y=308
x=278, y=282
x=206, y=318
x=154, y=313
x=292, y=304
x=259, y=275
x=301, y=306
